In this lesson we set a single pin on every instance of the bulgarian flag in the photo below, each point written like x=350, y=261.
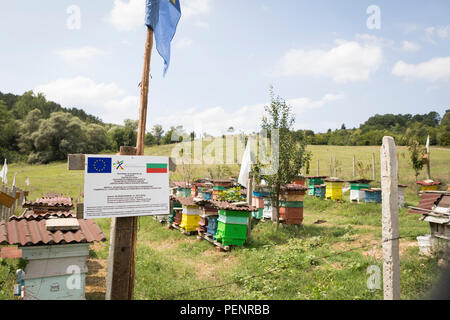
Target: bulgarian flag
x=156, y=167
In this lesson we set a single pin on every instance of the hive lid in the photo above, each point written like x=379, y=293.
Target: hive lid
x=362, y=181
x=294, y=187
x=428, y=183
x=62, y=224
x=334, y=179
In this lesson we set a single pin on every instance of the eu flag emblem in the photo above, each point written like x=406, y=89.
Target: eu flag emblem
x=99, y=165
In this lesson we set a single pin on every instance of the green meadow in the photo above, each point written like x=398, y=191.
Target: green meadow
x=329, y=260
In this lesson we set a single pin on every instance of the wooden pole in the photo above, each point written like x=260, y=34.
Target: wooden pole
x=428, y=166
x=121, y=260
x=144, y=93
x=390, y=232
x=249, y=202
x=374, y=174
x=318, y=170
x=124, y=230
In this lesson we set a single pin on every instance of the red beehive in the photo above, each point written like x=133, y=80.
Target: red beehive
x=300, y=180
x=292, y=215
x=178, y=217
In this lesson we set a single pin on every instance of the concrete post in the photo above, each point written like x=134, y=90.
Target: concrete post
x=390, y=233
x=354, y=167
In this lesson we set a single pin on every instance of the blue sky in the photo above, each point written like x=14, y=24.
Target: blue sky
x=319, y=55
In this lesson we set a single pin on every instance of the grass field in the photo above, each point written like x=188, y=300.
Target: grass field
x=315, y=261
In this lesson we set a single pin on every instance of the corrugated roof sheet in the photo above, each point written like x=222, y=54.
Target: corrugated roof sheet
x=33, y=233
x=179, y=184
x=317, y=177
x=189, y=201
x=294, y=187
x=40, y=215
x=223, y=205
x=50, y=202
x=427, y=201
x=444, y=202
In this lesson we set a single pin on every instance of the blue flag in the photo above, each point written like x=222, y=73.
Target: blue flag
x=99, y=165
x=163, y=16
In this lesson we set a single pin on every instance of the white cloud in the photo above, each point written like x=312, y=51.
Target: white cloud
x=436, y=69
x=217, y=120
x=183, y=43
x=409, y=46
x=348, y=61
x=105, y=100
x=442, y=32
x=127, y=15
x=190, y=8
x=201, y=24
x=79, y=54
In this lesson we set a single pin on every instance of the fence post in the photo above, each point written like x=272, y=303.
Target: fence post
x=354, y=168
x=390, y=233
x=374, y=175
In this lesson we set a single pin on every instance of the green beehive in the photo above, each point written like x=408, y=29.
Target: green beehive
x=232, y=227
x=291, y=204
x=231, y=234
x=314, y=181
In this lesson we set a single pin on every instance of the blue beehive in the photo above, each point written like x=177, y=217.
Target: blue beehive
x=373, y=195
x=211, y=228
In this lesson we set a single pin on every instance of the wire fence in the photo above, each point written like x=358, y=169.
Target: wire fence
x=277, y=269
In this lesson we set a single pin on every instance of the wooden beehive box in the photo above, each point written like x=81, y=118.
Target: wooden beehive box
x=49, y=268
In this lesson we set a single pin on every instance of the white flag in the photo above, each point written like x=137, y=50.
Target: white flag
x=27, y=181
x=428, y=144
x=14, y=180
x=245, y=166
x=3, y=173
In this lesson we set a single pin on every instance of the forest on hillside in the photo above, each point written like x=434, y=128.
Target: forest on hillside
x=403, y=127
x=36, y=130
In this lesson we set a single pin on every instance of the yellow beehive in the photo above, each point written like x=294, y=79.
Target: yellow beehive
x=189, y=222
x=191, y=215
x=334, y=188
x=429, y=185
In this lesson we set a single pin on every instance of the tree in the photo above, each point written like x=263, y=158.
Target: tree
x=27, y=127
x=58, y=136
x=123, y=135
x=416, y=153
x=157, y=133
x=291, y=153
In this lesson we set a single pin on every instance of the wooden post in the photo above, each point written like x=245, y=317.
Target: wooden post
x=121, y=260
x=318, y=171
x=144, y=93
x=331, y=166
x=354, y=167
x=374, y=175
x=124, y=230
x=428, y=166
x=390, y=233
x=249, y=202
